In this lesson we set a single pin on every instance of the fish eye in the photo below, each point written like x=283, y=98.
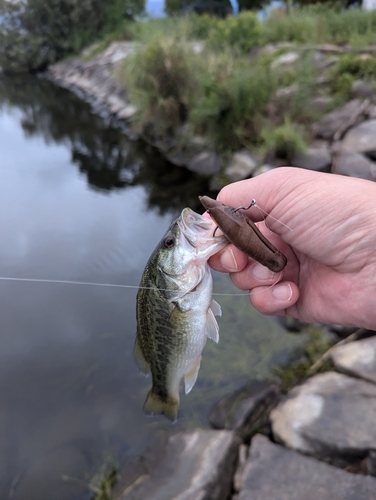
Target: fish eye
x=169, y=241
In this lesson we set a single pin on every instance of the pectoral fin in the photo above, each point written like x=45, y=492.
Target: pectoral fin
x=191, y=376
x=211, y=327
x=141, y=362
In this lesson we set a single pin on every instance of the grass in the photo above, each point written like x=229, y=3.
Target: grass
x=298, y=371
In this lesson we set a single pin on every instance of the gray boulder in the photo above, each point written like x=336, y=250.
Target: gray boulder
x=196, y=465
x=357, y=358
x=361, y=88
x=354, y=165
x=285, y=59
x=247, y=409
x=362, y=138
x=241, y=166
x=331, y=416
x=333, y=125
x=275, y=473
x=206, y=163
x=315, y=158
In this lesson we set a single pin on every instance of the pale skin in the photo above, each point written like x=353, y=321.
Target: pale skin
x=330, y=245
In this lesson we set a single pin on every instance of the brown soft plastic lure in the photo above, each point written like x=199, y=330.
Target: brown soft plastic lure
x=244, y=234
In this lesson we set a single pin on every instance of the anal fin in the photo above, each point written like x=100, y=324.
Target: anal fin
x=216, y=308
x=191, y=376
x=211, y=327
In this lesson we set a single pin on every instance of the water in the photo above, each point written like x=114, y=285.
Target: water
x=78, y=201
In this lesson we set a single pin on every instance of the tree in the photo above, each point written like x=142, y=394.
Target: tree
x=35, y=33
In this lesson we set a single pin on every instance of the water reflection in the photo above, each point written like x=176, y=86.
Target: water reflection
x=79, y=202
x=107, y=159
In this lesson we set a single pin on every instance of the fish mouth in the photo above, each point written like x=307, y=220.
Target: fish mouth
x=198, y=230
x=194, y=226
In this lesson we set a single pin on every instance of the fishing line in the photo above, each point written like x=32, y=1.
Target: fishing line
x=268, y=215
x=87, y=283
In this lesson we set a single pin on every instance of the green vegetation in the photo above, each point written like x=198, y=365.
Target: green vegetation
x=204, y=75
x=284, y=140
x=35, y=33
x=194, y=75
x=349, y=68
x=321, y=24
x=298, y=371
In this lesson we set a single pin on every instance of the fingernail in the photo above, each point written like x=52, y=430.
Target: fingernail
x=261, y=272
x=282, y=292
x=228, y=260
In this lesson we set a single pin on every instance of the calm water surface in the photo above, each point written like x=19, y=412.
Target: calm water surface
x=79, y=202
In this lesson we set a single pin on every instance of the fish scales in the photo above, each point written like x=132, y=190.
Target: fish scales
x=175, y=310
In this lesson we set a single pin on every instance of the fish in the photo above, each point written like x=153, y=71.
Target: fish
x=244, y=234
x=176, y=311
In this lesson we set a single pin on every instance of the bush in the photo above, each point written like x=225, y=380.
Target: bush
x=35, y=33
x=242, y=31
x=284, y=141
x=232, y=97
x=348, y=69
x=160, y=79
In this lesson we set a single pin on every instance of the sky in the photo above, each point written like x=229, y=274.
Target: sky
x=155, y=7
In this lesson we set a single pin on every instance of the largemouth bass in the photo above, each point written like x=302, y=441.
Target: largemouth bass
x=175, y=310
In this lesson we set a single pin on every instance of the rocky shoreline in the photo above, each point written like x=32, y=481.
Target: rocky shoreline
x=325, y=427
x=343, y=141
x=325, y=430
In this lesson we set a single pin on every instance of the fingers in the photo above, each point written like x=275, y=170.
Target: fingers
x=274, y=300
x=229, y=260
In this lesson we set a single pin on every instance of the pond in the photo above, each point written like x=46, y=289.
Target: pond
x=80, y=202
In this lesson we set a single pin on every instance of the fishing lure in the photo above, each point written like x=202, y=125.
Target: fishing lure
x=244, y=234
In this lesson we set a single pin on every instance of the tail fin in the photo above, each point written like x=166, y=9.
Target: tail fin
x=155, y=405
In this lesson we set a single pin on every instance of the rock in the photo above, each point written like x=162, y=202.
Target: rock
x=287, y=92
x=275, y=473
x=334, y=124
x=357, y=358
x=285, y=59
x=206, y=163
x=241, y=166
x=371, y=463
x=197, y=465
x=326, y=62
x=245, y=410
x=315, y=158
x=354, y=165
x=127, y=112
x=264, y=168
x=331, y=416
x=372, y=112
x=362, y=138
x=242, y=460
x=360, y=88
x=322, y=103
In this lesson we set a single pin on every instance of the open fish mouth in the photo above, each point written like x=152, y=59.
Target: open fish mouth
x=195, y=227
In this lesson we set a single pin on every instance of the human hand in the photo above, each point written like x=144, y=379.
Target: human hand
x=325, y=224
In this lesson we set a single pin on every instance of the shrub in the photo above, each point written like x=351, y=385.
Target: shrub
x=160, y=79
x=242, y=31
x=348, y=69
x=232, y=97
x=284, y=141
